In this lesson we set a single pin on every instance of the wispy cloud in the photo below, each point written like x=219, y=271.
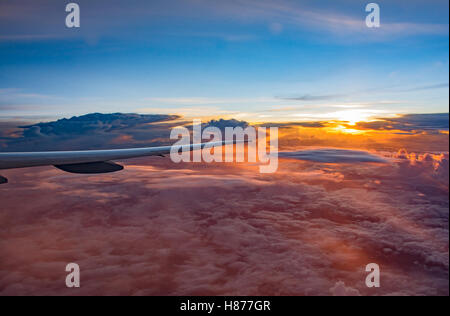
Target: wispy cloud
x=309, y=97
x=205, y=100
x=229, y=37
x=426, y=87
x=29, y=37
x=274, y=14
x=322, y=19
x=359, y=93
x=14, y=93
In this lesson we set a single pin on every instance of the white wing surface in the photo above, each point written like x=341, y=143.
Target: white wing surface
x=90, y=161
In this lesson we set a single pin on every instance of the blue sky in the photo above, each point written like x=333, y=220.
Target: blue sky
x=258, y=60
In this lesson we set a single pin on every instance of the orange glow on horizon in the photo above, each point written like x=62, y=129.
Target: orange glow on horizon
x=346, y=130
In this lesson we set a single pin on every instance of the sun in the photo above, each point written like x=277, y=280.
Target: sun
x=354, y=116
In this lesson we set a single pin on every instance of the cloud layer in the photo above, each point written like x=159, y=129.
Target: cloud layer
x=193, y=229
x=159, y=228
x=331, y=155
x=410, y=123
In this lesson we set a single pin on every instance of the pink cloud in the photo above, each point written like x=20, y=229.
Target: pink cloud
x=163, y=229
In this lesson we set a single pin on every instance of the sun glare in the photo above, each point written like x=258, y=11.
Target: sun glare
x=354, y=116
x=346, y=130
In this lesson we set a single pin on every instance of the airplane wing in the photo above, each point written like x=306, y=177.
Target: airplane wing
x=90, y=161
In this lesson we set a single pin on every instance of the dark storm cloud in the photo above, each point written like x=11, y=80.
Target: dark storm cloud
x=409, y=123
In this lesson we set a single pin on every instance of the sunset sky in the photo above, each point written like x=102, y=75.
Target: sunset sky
x=363, y=137
x=257, y=60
